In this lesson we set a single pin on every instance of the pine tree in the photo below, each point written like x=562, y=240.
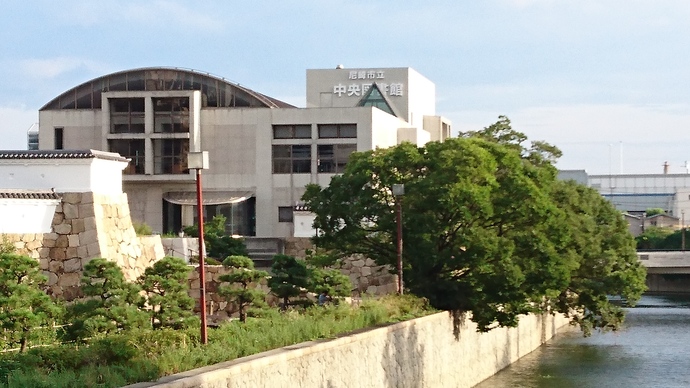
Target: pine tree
x=165, y=284
x=241, y=278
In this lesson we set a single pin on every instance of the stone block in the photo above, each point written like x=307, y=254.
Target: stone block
x=86, y=198
x=72, y=265
x=64, y=228
x=33, y=245
x=369, y=263
x=358, y=263
x=89, y=223
x=71, y=211
x=93, y=249
x=366, y=271
x=87, y=210
x=52, y=278
x=71, y=253
x=88, y=236
x=69, y=280
x=73, y=240
x=55, y=266
x=43, y=264
x=59, y=254
x=62, y=241
x=43, y=252
x=372, y=290
x=78, y=226
x=82, y=251
x=71, y=198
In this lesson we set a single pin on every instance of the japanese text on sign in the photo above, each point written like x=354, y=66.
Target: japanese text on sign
x=359, y=89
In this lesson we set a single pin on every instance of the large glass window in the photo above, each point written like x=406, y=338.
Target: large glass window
x=127, y=115
x=300, y=131
x=291, y=159
x=132, y=149
x=171, y=115
x=170, y=156
x=332, y=158
x=329, y=131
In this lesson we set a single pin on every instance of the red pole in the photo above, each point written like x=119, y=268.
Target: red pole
x=400, y=245
x=202, y=272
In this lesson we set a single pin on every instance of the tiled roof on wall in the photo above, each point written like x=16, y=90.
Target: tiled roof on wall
x=27, y=194
x=60, y=154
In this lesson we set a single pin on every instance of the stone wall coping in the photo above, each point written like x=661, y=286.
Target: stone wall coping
x=223, y=370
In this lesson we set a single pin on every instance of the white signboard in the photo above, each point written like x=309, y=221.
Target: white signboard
x=359, y=82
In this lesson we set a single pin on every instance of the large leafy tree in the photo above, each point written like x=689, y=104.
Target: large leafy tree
x=24, y=307
x=289, y=278
x=482, y=231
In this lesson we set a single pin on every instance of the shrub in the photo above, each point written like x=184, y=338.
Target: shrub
x=165, y=284
x=23, y=305
x=289, y=277
x=218, y=243
x=111, y=304
x=242, y=276
x=142, y=229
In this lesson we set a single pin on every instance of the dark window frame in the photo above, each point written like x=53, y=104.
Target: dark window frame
x=286, y=214
x=59, y=138
x=127, y=115
x=341, y=131
x=291, y=158
x=292, y=131
x=137, y=163
x=170, y=156
x=331, y=162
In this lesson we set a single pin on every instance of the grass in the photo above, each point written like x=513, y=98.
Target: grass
x=146, y=355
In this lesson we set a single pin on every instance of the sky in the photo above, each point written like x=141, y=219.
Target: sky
x=606, y=81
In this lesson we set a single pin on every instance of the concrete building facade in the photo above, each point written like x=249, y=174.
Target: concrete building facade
x=262, y=151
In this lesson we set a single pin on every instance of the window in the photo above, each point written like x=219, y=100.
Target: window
x=333, y=157
x=131, y=149
x=285, y=214
x=302, y=131
x=291, y=159
x=59, y=138
x=170, y=156
x=171, y=115
x=328, y=131
x=127, y=115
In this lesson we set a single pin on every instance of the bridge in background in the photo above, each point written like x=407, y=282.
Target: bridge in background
x=667, y=271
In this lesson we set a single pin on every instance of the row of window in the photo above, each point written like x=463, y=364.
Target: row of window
x=169, y=155
x=330, y=158
x=325, y=131
x=171, y=115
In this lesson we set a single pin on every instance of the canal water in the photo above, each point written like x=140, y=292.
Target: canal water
x=652, y=350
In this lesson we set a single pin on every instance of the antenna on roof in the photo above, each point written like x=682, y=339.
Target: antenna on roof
x=340, y=67
x=687, y=167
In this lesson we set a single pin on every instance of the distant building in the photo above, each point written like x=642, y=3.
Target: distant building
x=262, y=151
x=32, y=138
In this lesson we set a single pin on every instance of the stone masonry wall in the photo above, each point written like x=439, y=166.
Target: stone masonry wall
x=86, y=226
x=365, y=275
x=423, y=352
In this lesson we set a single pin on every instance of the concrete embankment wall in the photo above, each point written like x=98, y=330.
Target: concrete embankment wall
x=423, y=352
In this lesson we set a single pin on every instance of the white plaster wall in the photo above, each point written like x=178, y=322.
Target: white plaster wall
x=422, y=98
x=27, y=215
x=422, y=352
x=413, y=135
x=384, y=132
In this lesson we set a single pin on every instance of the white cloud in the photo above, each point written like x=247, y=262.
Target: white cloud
x=47, y=68
x=13, y=126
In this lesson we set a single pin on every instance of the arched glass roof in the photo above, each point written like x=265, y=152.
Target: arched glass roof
x=215, y=91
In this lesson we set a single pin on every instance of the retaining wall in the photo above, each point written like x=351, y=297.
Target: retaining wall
x=423, y=352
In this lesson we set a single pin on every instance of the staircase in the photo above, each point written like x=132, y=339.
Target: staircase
x=262, y=249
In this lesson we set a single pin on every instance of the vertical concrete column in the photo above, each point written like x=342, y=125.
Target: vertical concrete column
x=149, y=125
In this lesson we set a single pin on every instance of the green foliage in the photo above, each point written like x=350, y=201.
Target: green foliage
x=111, y=304
x=654, y=211
x=659, y=238
x=165, y=284
x=289, y=278
x=145, y=355
x=142, y=229
x=607, y=262
x=218, y=243
x=24, y=307
x=483, y=231
x=329, y=280
x=241, y=278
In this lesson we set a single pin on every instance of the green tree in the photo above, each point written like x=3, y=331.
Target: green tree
x=111, y=303
x=241, y=278
x=289, y=277
x=655, y=237
x=218, y=243
x=607, y=262
x=654, y=211
x=24, y=307
x=324, y=278
x=168, y=300
x=482, y=231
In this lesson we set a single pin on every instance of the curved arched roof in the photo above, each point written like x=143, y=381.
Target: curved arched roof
x=216, y=91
